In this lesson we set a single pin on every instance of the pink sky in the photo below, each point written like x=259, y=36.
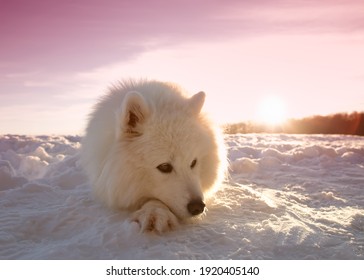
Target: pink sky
x=57, y=57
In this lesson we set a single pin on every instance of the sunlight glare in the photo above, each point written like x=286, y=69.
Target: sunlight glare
x=272, y=110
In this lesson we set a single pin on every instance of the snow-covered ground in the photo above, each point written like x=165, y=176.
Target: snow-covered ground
x=288, y=197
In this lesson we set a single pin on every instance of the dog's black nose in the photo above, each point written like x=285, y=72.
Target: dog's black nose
x=195, y=207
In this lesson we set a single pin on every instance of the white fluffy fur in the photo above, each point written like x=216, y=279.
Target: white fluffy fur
x=137, y=127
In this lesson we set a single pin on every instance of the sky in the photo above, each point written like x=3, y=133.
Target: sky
x=58, y=57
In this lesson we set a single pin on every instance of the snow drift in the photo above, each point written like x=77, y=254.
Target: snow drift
x=287, y=197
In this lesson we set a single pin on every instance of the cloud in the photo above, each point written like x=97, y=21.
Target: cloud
x=78, y=35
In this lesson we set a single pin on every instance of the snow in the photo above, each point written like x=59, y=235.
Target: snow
x=287, y=197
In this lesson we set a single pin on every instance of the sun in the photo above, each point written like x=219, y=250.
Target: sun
x=272, y=110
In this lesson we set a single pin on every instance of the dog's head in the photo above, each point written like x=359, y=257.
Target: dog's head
x=172, y=149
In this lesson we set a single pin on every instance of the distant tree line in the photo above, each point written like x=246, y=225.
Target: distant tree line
x=341, y=123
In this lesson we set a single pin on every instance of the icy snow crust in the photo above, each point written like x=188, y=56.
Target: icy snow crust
x=288, y=197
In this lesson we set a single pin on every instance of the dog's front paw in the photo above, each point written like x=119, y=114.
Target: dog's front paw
x=154, y=216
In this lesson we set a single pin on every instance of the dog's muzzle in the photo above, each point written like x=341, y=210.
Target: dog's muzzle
x=196, y=207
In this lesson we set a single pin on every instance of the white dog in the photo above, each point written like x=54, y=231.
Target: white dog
x=149, y=149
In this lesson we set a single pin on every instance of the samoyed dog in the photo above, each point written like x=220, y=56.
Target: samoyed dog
x=150, y=150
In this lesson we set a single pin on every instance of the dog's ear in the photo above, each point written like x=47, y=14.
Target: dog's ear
x=134, y=112
x=196, y=102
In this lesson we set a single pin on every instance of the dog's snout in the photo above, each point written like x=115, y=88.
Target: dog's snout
x=196, y=207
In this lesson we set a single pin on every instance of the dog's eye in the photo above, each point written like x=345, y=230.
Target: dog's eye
x=165, y=168
x=193, y=163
